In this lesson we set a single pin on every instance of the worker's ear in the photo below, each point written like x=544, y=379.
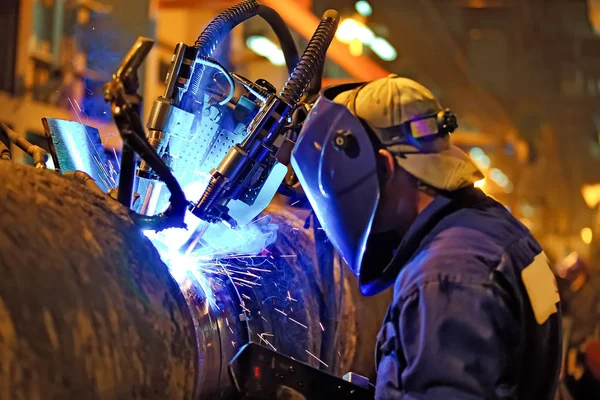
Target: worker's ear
x=386, y=166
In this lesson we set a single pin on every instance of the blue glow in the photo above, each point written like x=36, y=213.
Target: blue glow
x=363, y=8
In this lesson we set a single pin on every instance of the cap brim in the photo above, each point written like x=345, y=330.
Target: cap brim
x=449, y=169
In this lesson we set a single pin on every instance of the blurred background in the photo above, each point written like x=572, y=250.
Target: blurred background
x=523, y=76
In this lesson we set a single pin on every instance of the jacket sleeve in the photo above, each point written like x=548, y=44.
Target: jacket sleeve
x=449, y=340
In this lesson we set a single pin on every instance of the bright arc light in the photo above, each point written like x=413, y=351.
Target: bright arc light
x=363, y=8
x=480, y=183
x=266, y=48
x=587, y=235
x=384, y=49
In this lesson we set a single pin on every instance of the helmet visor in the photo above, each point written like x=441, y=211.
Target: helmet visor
x=336, y=166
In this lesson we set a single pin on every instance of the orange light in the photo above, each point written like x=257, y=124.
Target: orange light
x=356, y=48
x=587, y=235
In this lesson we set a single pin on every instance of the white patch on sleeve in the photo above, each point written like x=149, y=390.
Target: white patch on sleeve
x=541, y=287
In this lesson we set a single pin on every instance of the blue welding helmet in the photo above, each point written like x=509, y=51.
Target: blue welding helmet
x=334, y=159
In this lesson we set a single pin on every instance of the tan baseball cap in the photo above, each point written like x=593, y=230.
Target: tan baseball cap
x=386, y=103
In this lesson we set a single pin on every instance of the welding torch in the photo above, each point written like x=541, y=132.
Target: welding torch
x=245, y=161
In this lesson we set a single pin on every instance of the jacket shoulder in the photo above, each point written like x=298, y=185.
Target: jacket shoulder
x=466, y=247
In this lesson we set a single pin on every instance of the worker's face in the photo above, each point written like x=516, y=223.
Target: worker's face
x=399, y=198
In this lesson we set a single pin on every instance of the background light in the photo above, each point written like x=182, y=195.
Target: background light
x=591, y=195
x=498, y=176
x=348, y=30
x=363, y=8
x=586, y=235
x=384, y=49
x=266, y=48
x=480, y=158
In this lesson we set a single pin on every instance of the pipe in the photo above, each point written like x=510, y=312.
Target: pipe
x=94, y=313
x=86, y=180
x=39, y=155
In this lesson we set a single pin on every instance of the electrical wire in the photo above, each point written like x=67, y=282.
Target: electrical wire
x=210, y=62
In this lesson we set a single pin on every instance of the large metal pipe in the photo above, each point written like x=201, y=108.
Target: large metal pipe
x=88, y=309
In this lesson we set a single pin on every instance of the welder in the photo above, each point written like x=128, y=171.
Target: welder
x=476, y=311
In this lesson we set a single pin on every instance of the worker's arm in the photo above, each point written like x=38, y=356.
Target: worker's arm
x=449, y=340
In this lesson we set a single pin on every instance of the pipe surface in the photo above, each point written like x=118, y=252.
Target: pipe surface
x=89, y=310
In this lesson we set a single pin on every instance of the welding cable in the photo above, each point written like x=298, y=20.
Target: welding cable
x=210, y=62
x=283, y=34
x=312, y=59
x=85, y=179
x=39, y=155
x=216, y=31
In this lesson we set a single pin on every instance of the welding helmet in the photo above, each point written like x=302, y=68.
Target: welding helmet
x=335, y=160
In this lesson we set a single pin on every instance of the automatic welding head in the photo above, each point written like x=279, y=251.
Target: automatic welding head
x=226, y=139
x=336, y=162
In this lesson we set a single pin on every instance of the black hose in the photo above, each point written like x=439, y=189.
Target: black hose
x=216, y=31
x=312, y=59
x=286, y=41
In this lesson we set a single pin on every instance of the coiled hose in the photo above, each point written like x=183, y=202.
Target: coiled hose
x=216, y=31
x=312, y=59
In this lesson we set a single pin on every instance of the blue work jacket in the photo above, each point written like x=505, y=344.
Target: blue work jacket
x=465, y=323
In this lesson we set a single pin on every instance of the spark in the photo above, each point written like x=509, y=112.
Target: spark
x=262, y=335
x=245, y=309
x=302, y=325
x=278, y=310
x=289, y=256
x=290, y=297
x=264, y=319
x=294, y=203
x=323, y=329
x=227, y=321
x=231, y=330
x=246, y=296
x=317, y=358
x=259, y=269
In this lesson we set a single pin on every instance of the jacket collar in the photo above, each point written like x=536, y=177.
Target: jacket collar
x=442, y=206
